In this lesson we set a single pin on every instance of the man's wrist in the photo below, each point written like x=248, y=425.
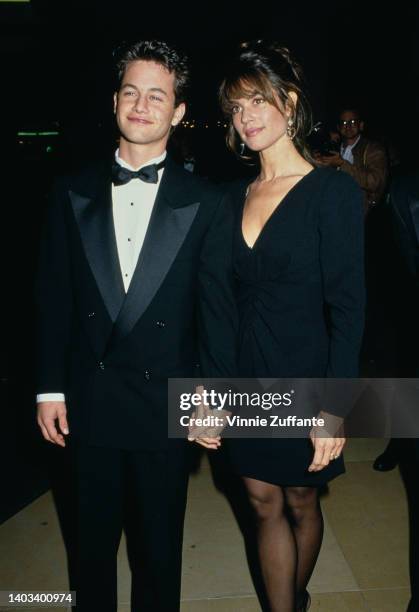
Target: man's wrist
x=50, y=397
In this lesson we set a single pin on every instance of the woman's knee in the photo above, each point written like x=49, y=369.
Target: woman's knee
x=302, y=501
x=266, y=500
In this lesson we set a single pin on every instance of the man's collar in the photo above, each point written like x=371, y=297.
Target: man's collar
x=351, y=146
x=124, y=164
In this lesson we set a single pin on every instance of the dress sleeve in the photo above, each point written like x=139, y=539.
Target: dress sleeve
x=341, y=227
x=218, y=320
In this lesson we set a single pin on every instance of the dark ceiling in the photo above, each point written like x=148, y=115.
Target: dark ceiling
x=57, y=56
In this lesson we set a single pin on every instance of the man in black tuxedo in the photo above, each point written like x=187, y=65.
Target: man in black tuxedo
x=404, y=211
x=135, y=258
x=404, y=201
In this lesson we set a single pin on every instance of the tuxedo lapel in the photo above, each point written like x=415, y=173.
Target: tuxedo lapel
x=95, y=221
x=171, y=219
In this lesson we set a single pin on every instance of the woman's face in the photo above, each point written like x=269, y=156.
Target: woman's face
x=258, y=123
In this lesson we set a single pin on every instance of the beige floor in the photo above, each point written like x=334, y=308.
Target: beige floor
x=362, y=566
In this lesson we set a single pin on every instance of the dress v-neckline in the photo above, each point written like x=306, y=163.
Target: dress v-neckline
x=280, y=205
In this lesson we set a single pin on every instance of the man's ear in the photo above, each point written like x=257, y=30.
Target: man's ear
x=115, y=102
x=178, y=114
x=361, y=126
x=290, y=107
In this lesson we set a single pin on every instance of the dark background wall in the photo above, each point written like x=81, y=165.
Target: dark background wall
x=57, y=55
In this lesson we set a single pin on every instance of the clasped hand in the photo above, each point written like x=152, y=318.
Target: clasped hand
x=207, y=436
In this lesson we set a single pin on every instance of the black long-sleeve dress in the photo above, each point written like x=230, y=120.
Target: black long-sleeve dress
x=300, y=296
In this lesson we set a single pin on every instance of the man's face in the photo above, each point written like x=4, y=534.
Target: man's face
x=350, y=125
x=145, y=104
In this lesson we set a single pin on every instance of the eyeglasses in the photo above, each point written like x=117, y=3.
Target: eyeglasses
x=348, y=122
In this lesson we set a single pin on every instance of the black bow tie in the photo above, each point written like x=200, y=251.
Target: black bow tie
x=148, y=174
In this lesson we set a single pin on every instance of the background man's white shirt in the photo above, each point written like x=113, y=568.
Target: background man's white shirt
x=346, y=151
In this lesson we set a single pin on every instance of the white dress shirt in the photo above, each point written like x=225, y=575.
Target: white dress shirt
x=132, y=205
x=346, y=151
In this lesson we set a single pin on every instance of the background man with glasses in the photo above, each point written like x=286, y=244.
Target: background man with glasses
x=363, y=159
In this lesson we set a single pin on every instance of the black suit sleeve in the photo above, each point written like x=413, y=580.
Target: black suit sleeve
x=218, y=320
x=54, y=298
x=341, y=227
x=404, y=206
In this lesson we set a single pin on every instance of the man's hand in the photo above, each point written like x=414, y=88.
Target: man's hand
x=48, y=414
x=210, y=443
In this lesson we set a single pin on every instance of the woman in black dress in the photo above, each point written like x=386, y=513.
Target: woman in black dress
x=298, y=257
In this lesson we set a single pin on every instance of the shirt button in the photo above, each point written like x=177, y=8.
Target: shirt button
x=161, y=324
x=91, y=315
x=101, y=365
x=147, y=375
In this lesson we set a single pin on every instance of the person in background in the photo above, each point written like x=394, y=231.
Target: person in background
x=365, y=160
x=404, y=207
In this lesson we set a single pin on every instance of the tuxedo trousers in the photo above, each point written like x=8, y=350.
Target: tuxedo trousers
x=409, y=467
x=144, y=493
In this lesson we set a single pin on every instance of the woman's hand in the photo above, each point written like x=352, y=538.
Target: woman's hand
x=208, y=437
x=328, y=441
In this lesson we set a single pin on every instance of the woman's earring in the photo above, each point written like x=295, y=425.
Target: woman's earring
x=291, y=131
x=242, y=148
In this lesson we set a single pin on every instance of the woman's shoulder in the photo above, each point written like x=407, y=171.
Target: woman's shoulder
x=335, y=184
x=338, y=196
x=335, y=178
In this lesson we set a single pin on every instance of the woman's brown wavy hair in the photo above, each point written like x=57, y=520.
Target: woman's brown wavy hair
x=266, y=68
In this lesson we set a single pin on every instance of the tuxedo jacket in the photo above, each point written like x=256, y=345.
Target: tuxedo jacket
x=404, y=202
x=112, y=352
x=404, y=206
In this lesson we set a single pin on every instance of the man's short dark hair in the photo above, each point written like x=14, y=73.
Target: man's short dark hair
x=161, y=53
x=351, y=109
